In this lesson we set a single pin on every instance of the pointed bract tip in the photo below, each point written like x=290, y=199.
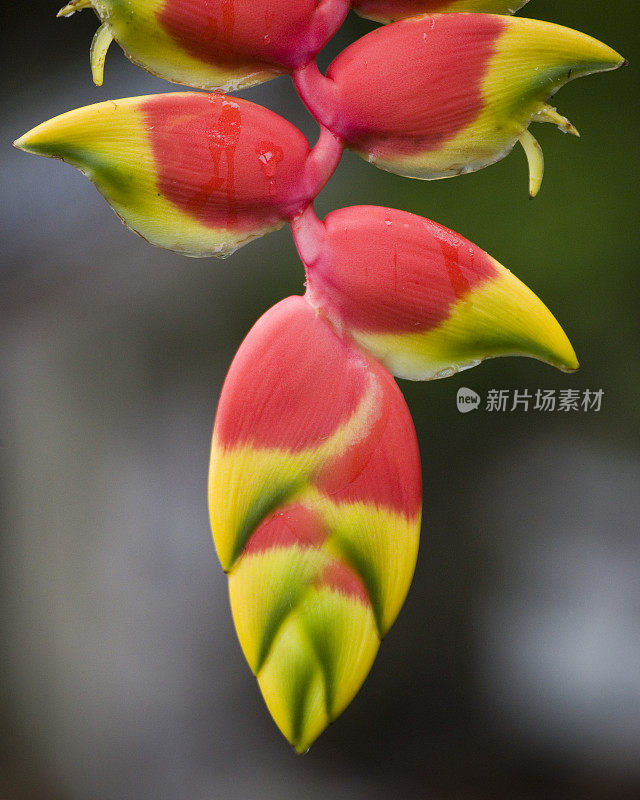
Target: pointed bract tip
x=525, y=323
x=582, y=54
x=573, y=367
x=561, y=353
x=43, y=140
x=21, y=143
x=37, y=141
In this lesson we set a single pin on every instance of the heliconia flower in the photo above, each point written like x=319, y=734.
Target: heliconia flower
x=392, y=10
x=419, y=297
x=195, y=173
x=315, y=498
x=213, y=44
x=440, y=95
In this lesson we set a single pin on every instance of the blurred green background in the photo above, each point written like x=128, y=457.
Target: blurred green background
x=513, y=671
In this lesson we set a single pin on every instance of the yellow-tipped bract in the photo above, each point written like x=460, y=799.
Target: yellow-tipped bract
x=195, y=173
x=314, y=496
x=420, y=297
x=445, y=94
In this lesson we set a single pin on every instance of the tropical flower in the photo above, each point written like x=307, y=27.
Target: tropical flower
x=195, y=173
x=441, y=95
x=314, y=482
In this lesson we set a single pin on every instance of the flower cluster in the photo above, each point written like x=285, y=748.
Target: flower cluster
x=315, y=487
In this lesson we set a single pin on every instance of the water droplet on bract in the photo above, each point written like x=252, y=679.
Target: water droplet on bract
x=269, y=156
x=267, y=39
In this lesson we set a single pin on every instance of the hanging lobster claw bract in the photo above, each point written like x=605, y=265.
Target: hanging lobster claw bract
x=314, y=496
x=445, y=94
x=419, y=297
x=199, y=174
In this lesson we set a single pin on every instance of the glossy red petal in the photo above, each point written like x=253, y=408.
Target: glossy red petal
x=293, y=351
x=296, y=525
x=376, y=470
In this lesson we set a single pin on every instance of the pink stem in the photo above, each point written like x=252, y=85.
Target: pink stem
x=321, y=162
x=318, y=93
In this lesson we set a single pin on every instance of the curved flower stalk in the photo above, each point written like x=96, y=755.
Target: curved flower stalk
x=217, y=44
x=195, y=173
x=314, y=496
x=438, y=96
x=419, y=297
x=393, y=10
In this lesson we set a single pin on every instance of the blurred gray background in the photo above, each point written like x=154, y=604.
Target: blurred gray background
x=513, y=671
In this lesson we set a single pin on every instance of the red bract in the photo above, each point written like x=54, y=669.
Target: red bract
x=443, y=94
x=380, y=269
x=421, y=298
x=233, y=164
x=201, y=174
x=213, y=44
x=330, y=381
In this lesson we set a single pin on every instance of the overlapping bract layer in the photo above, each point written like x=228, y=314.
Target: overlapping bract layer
x=201, y=174
x=418, y=296
x=314, y=494
x=314, y=486
x=440, y=95
x=217, y=44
